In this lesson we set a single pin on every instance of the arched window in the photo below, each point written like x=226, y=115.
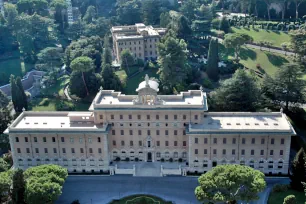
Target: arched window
x=184, y=155
x=38, y=162
x=100, y=162
x=55, y=161
x=252, y=163
x=175, y=155
x=83, y=162
x=167, y=155
x=92, y=162
x=47, y=161
x=280, y=164
x=223, y=161
x=205, y=163
x=115, y=153
x=270, y=165
x=65, y=161
x=261, y=164
x=158, y=154
x=242, y=162
x=74, y=162
x=20, y=162
x=29, y=162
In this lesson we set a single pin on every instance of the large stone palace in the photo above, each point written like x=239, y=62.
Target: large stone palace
x=151, y=128
x=140, y=39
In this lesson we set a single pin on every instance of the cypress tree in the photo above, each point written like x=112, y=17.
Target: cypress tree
x=22, y=96
x=224, y=25
x=14, y=91
x=298, y=170
x=18, y=186
x=212, y=63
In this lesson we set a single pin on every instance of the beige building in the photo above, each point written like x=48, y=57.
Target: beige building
x=139, y=39
x=151, y=128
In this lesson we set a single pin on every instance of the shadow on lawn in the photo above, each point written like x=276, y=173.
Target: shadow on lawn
x=276, y=60
x=246, y=53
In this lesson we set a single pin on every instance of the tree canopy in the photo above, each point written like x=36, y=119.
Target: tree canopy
x=228, y=97
x=236, y=40
x=230, y=183
x=298, y=170
x=212, y=69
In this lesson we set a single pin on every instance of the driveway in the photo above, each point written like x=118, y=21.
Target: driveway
x=102, y=189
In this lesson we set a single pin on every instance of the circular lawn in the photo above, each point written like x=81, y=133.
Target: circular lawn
x=140, y=199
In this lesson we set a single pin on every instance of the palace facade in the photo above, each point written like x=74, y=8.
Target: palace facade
x=140, y=39
x=149, y=128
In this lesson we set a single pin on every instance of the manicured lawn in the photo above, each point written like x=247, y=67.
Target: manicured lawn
x=278, y=198
x=140, y=199
x=269, y=61
x=57, y=88
x=275, y=37
x=132, y=83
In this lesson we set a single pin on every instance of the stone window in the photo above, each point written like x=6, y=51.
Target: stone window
x=205, y=140
x=272, y=141
x=215, y=140
x=166, y=117
x=175, y=143
x=140, y=143
x=62, y=139
x=72, y=150
x=157, y=132
x=262, y=141
x=224, y=151
x=233, y=151
x=184, y=155
x=252, y=152
x=16, y=139
x=214, y=151
x=184, y=117
x=54, y=150
x=175, y=132
x=139, y=132
x=71, y=139
x=101, y=117
x=224, y=140
x=158, y=154
x=139, y=117
x=122, y=143
x=99, y=139
x=157, y=117
x=166, y=132
x=64, y=150
x=205, y=151
x=81, y=140
x=175, y=155
x=282, y=141
x=234, y=141
x=36, y=150
x=184, y=132
x=195, y=151
x=112, y=117
x=243, y=140
x=280, y=164
x=184, y=143
x=99, y=150
x=26, y=139
x=131, y=143
x=157, y=143
x=262, y=152
x=271, y=152
x=175, y=117
x=242, y=152
x=270, y=165
x=166, y=143
x=214, y=163
x=149, y=132
x=196, y=117
x=28, y=150
x=89, y=140
x=35, y=139
x=81, y=150
x=122, y=132
x=121, y=117
x=130, y=117
x=148, y=117
x=131, y=132
x=90, y=150
x=196, y=140
x=253, y=140
x=281, y=152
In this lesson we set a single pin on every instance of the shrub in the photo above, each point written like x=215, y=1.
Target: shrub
x=215, y=23
x=117, y=159
x=280, y=188
x=180, y=160
x=280, y=26
x=207, y=83
x=290, y=199
x=162, y=159
x=170, y=160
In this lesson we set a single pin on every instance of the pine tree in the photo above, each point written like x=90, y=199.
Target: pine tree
x=21, y=95
x=298, y=170
x=224, y=25
x=212, y=63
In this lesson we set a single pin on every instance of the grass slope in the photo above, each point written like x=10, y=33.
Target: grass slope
x=270, y=62
x=57, y=88
x=275, y=37
x=278, y=198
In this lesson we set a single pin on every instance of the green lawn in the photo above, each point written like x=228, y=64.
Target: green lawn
x=132, y=83
x=278, y=198
x=275, y=37
x=14, y=66
x=270, y=62
x=57, y=88
x=141, y=199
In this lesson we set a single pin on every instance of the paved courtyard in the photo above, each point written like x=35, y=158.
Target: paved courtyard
x=102, y=189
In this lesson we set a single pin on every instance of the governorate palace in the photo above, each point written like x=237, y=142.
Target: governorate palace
x=151, y=128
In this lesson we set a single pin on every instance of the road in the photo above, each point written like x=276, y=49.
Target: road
x=103, y=189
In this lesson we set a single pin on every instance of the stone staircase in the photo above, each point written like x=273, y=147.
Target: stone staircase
x=148, y=169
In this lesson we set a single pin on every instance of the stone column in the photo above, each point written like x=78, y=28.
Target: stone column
x=287, y=155
x=190, y=161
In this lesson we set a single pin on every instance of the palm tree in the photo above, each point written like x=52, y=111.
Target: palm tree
x=82, y=64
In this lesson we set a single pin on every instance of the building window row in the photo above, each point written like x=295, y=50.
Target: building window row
x=252, y=152
x=131, y=143
x=148, y=132
x=54, y=150
x=53, y=139
x=243, y=141
x=148, y=117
